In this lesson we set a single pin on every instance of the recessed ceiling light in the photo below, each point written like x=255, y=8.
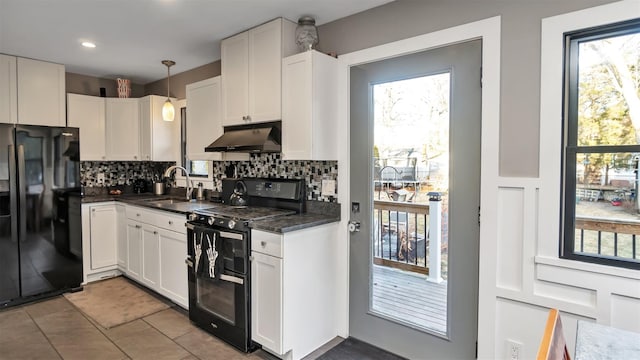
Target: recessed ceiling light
x=88, y=44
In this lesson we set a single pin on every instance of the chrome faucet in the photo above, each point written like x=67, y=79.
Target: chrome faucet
x=167, y=173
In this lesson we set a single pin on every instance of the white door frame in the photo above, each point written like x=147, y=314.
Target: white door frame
x=489, y=31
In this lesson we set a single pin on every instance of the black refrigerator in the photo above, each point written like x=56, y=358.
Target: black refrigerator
x=37, y=164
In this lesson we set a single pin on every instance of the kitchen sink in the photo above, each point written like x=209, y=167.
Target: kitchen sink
x=161, y=202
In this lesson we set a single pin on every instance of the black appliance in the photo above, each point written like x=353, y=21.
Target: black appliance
x=37, y=161
x=140, y=186
x=67, y=221
x=252, y=138
x=219, y=245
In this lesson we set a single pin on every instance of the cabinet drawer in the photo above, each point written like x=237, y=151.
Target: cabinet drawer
x=139, y=214
x=169, y=222
x=266, y=243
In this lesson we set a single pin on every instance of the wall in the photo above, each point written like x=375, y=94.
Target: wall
x=178, y=82
x=89, y=85
x=520, y=58
x=120, y=173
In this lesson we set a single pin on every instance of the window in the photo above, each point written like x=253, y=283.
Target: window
x=196, y=168
x=602, y=145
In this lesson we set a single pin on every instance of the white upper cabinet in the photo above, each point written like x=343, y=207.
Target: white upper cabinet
x=204, y=118
x=159, y=139
x=41, y=93
x=309, y=107
x=32, y=92
x=252, y=72
x=88, y=114
x=123, y=130
x=8, y=90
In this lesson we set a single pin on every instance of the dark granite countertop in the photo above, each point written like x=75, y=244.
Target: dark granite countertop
x=318, y=213
x=169, y=203
x=288, y=223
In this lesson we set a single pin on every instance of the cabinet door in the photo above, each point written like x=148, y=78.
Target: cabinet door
x=88, y=114
x=204, y=118
x=235, y=78
x=150, y=255
x=265, y=74
x=103, y=236
x=173, y=271
x=297, y=142
x=134, y=249
x=266, y=301
x=8, y=90
x=41, y=93
x=159, y=139
x=146, y=127
x=122, y=125
x=122, y=256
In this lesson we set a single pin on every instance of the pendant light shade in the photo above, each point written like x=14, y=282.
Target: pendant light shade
x=168, y=111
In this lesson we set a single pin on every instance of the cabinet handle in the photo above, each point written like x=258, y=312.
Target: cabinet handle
x=248, y=117
x=104, y=157
x=135, y=157
x=138, y=226
x=263, y=243
x=94, y=210
x=137, y=214
x=170, y=222
x=155, y=233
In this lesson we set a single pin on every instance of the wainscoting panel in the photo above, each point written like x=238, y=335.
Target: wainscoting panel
x=510, y=238
x=625, y=312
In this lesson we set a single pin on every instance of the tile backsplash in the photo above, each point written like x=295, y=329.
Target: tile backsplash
x=272, y=166
x=119, y=173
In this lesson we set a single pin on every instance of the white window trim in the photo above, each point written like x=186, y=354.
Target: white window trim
x=551, y=114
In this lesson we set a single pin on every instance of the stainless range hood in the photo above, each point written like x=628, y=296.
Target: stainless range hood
x=253, y=138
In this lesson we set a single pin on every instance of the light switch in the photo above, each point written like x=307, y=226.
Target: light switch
x=328, y=187
x=100, y=178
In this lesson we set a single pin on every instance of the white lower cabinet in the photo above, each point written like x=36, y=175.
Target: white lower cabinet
x=134, y=250
x=173, y=271
x=151, y=256
x=157, y=248
x=293, y=280
x=266, y=301
x=100, y=224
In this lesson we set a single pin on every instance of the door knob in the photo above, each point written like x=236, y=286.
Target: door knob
x=354, y=226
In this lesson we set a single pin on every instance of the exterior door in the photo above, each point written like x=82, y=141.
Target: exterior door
x=457, y=338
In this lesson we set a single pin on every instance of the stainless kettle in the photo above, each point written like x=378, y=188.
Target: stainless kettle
x=239, y=196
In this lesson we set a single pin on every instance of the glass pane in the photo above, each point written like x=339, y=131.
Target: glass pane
x=411, y=159
x=608, y=99
x=199, y=167
x=607, y=205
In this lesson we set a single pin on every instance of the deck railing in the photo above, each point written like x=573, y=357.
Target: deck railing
x=409, y=236
x=607, y=237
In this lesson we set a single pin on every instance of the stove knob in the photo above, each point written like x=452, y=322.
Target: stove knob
x=211, y=220
x=232, y=224
x=193, y=217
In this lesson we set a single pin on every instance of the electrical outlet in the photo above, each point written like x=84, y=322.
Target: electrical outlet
x=100, y=178
x=514, y=349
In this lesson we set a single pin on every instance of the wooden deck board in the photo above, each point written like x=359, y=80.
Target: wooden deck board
x=410, y=298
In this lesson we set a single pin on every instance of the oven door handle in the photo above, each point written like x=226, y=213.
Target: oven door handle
x=233, y=279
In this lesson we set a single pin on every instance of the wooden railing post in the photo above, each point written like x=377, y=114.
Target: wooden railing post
x=435, y=237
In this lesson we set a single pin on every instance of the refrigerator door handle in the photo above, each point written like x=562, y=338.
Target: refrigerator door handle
x=13, y=195
x=22, y=193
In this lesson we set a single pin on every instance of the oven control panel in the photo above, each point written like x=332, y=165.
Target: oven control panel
x=277, y=189
x=220, y=223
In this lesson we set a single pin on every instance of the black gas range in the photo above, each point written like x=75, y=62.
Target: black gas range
x=219, y=244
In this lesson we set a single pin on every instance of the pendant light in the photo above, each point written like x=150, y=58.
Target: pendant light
x=168, y=111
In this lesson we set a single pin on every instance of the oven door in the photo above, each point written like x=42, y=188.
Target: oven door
x=218, y=304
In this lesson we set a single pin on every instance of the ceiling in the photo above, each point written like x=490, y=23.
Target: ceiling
x=134, y=36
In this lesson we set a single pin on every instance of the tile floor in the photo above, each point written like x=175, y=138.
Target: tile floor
x=55, y=329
